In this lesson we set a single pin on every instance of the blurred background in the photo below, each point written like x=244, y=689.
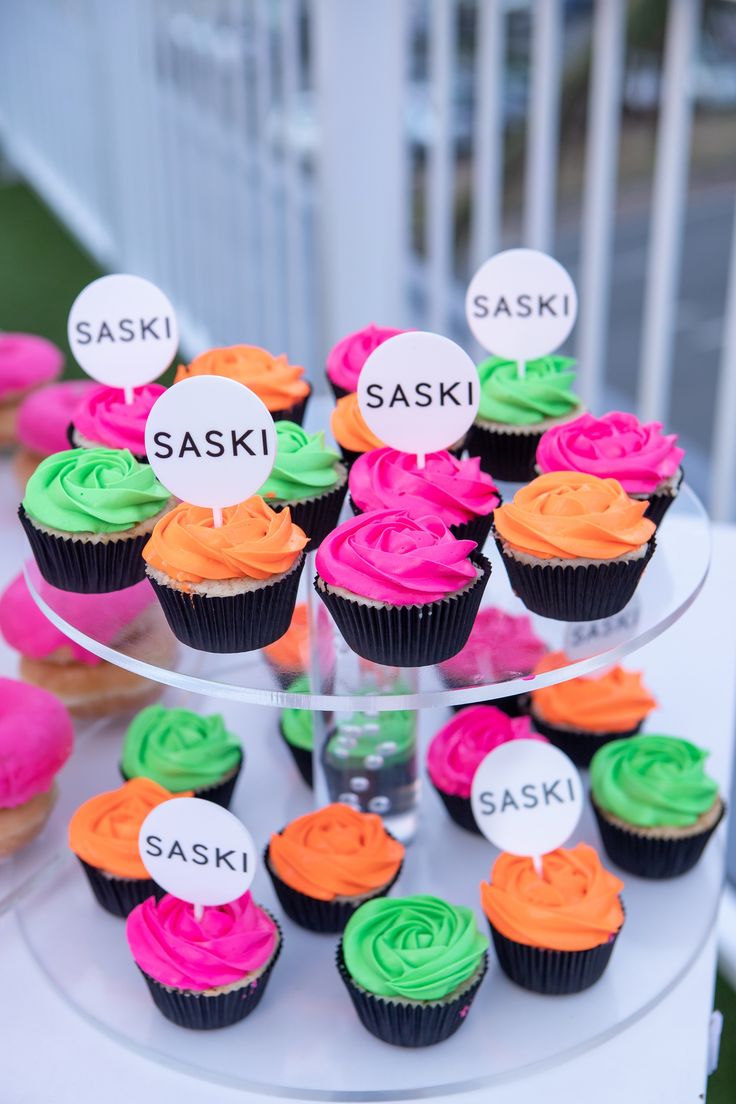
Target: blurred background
x=290, y=170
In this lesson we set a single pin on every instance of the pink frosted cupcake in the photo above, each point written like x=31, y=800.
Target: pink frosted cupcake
x=460, y=746
x=645, y=461
x=26, y=362
x=456, y=490
x=346, y=359
x=42, y=423
x=104, y=418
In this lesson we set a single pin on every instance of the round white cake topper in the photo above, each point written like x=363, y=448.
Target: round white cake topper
x=211, y=441
x=527, y=797
x=197, y=851
x=521, y=304
x=123, y=331
x=419, y=392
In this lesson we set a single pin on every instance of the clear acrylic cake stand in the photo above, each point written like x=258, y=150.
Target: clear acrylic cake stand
x=304, y=1041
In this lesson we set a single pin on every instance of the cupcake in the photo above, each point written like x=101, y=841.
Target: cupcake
x=87, y=685
x=103, y=834
x=581, y=715
x=459, y=748
x=103, y=417
x=297, y=731
x=656, y=807
x=501, y=646
x=279, y=385
x=350, y=430
x=515, y=411
x=646, y=461
x=412, y=967
x=42, y=421
x=346, y=359
x=326, y=864
x=87, y=514
x=574, y=546
x=289, y=656
x=456, y=490
x=553, y=933
x=370, y=761
x=226, y=589
x=208, y=972
x=308, y=478
x=402, y=591
x=36, y=739
x=26, y=363
x=184, y=752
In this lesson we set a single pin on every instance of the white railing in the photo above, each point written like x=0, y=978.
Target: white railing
x=258, y=160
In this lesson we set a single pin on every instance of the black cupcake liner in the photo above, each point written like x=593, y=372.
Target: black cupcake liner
x=459, y=809
x=119, y=896
x=553, y=973
x=86, y=567
x=221, y=793
x=476, y=529
x=515, y=705
x=71, y=430
x=317, y=516
x=659, y=504
x=205, y=1013
x=349, y=456
x=409, y=1025
x=649, y=857
x=578, y=745
x=328, y=917
x=302, y=757
x=575, y=593
x=338, y=391
x=508, y=456
x=409, y=636
x=240, y=623
x=293, y=413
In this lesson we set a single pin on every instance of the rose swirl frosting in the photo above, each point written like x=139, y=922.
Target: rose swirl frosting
x=544, y=391
x=276, y=382
x=172, y=946
x=570, y=515
x=500, y=645
x=573, y=906
x=346, y=359
x=389, y=556
x=460, y=746
x=106, y=418
x=612, y=702
x=180, y=749
x=304, y=465
x=349, y=427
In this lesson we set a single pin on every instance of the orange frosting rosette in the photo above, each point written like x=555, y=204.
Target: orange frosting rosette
x=291, y=651
x=349, y=427
x=104, y=830
x=277, y=383
x=574, y=906
x=615, y=701
x=253, y=542
x=335, y=852
x=572, y=515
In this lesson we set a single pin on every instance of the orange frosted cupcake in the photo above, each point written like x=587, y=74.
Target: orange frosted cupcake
x=583, y=714
x=326, y=864
x=103, y=834
x=555, y=932
x=350, y=430
x=226, y=589
x=278, y=384
x=574, y=546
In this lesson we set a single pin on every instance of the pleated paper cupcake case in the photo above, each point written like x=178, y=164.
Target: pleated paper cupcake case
x=650, y=857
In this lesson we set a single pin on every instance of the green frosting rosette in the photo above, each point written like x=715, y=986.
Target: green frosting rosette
x=304, y=467
x=96, y=490
x=544, y=391
x=652, y=781
x=390, y=735
x=179, y=749
x=412, y=948
x=296, y=724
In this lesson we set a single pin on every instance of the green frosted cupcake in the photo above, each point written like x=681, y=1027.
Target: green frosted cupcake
x=655, y=805
x=297, y=731
x=309, y=478
x=412, y=967
x=87, y=514
x=183, y=751
x=515, y=411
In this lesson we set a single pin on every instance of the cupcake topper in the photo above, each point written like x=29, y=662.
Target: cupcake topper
x=419, y=392
x=583, y=639
x=122, y=330
x=197, y=851
x=527, y=797
x=211, y=442
x=521, y=304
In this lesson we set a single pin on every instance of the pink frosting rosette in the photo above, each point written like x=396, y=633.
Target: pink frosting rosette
x=105, y=418
x=458, y=749
x=44, y=416
x=36, y=739
x=389, y=556
x=500, y=646
x=173, y=947
x=346, y=359
x=27, y=361
x=638, y=454
x=457, y=490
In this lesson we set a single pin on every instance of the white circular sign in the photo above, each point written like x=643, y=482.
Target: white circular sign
x=123, y=331
x=419, y=392
x=527, y=797
x=521, y=304
x=197, y=851
x=210, y=441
